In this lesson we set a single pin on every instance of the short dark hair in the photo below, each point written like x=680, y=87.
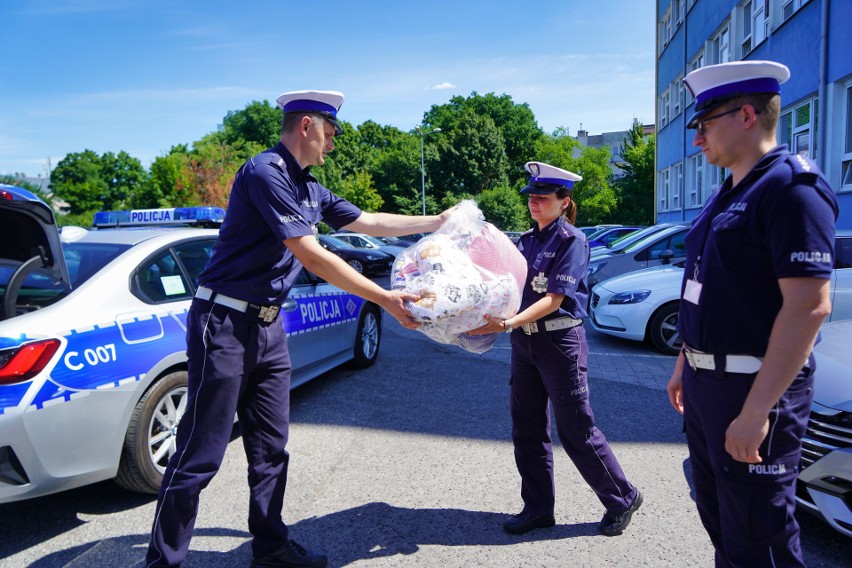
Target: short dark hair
x=292, y=120
x=767, y=105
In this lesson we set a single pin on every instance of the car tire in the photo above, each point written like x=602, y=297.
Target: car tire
x=357, y=265
x=662, y=331
x=151, y=436
x=368, y=338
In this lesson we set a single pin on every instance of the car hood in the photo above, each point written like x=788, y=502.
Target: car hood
x=656, y=278
x=28, y=230
x=833, y=377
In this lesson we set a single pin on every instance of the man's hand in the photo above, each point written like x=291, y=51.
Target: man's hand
x=675, y=384
x=743, y=438
x=395, y=306
x=675, y=390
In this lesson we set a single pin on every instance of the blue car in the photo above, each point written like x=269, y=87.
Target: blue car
x=606, y=237
x=92, y=342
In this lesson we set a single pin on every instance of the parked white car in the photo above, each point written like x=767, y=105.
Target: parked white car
x=824, y=486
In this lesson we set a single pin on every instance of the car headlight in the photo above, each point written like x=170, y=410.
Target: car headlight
x=595, y=267
x=632, y=297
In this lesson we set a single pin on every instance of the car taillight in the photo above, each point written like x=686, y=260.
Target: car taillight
x=24, y=362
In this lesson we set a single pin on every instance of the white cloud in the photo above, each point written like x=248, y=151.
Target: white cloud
x=440, y=87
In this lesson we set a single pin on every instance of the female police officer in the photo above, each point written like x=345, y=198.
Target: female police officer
x=549, y=355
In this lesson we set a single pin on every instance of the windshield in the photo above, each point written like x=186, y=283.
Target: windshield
x=373, y=240
x=334, y=242
x=623, y=244
x=635, y=245
x=84, y=259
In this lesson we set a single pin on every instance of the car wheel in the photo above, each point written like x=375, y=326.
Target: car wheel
x=357, y=265
x=368, y=338
x=152, y=434
x=663, y=329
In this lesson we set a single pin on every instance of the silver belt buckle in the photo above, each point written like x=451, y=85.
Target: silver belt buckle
x=689, y=359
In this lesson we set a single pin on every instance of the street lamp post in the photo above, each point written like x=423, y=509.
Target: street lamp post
x=422, y=166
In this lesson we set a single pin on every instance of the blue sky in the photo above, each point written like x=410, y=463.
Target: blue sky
x=143, y=76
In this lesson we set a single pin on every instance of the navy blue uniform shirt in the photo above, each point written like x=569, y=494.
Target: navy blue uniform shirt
x=560, y=254
x=777, y=223
x=272, y=199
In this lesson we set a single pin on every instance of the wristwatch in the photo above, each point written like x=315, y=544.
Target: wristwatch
x=507, y=326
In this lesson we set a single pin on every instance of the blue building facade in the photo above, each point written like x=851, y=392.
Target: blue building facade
x=811, y=37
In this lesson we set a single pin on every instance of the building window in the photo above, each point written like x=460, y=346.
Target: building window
x=846, y=176
x=676, y=185
x=678, y=6
x=720, y=46
x=696, y=63
x=695, y=180
x=754, y=24
x=666, y=29
x=798, y=129
x=677, y=104
x=665, y=105
x=789, y=7
x=663, y=190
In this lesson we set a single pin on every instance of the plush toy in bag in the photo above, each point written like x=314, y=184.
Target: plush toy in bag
x=462, y=272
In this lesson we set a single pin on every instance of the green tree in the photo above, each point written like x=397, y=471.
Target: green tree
x=635, y=189
x=125, y=178
x=78, y=181
x=515, y=122
x=595, y=198
x=505, y=208
x=259, y=122
x=470, y=158
x=170, y=182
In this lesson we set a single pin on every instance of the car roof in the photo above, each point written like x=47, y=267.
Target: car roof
x=129, y=236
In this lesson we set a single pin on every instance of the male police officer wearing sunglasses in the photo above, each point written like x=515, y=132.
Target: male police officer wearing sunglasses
x=755, y=291
x=236, y=344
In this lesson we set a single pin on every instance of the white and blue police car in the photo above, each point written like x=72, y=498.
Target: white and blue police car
x=92, y=341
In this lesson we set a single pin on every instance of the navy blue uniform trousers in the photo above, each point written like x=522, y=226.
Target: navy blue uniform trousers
x=553, y=365
x=238, y=365
x=747, y=509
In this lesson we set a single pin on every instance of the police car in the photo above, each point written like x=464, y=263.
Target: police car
x=92, y=341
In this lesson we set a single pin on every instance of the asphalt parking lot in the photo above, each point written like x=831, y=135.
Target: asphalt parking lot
x=409, y=463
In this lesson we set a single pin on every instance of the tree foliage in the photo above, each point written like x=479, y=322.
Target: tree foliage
x=595, y=198
x=636, y=188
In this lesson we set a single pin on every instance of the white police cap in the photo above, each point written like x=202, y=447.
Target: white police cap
x=714, y=84
x=325, y=103
x=546, y=179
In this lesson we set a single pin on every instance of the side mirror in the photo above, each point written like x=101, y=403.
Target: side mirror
x=666, y=256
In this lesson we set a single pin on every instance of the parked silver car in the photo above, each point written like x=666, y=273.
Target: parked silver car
x=662, y=244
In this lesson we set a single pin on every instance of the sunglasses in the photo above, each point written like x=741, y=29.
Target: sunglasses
x=700, y=126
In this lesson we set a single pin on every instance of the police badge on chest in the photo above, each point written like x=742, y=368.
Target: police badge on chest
x=539, y=283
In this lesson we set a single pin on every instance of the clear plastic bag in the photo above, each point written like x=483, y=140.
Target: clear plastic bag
x=462, y=272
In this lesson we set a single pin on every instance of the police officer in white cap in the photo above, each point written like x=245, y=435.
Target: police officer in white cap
x=236, y=344
x=755, y=291
x=549, y=363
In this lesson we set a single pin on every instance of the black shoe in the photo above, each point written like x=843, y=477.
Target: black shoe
x=525, y=522
x=291, y=555
x=613, y=525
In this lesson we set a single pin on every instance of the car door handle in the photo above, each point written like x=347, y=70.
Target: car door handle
x=289, y=305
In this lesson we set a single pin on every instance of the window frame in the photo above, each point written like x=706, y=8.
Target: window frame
x=846, y=154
